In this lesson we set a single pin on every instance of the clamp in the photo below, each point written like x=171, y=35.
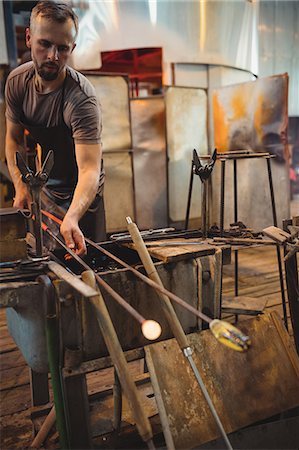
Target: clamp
x=204, y=173
x=35, y=182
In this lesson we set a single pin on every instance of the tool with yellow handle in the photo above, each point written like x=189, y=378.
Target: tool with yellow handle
x=174, y=323
x=227, y=334
x=223, y=331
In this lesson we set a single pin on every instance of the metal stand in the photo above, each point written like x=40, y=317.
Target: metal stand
x=292, y=282
x=204, y=173
x=35, y=182
x=235, y=157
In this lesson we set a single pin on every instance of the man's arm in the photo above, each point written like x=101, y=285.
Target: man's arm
x=14, y=142
x=88, y=158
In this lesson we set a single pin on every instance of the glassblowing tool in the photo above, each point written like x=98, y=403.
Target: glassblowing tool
x=35, y=182
x=150, y=328
x=204, y=172
x=219, y=331
x=227, y=334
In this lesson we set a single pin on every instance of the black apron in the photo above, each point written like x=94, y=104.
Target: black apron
x=58, y=192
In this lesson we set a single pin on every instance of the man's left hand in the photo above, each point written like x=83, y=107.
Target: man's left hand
x=73, y=236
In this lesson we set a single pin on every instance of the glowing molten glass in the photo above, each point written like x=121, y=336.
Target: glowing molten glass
x=151, y=329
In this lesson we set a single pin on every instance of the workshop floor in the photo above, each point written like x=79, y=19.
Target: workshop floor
x=258, y=276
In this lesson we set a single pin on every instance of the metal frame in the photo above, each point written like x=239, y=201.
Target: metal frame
x=268, y=158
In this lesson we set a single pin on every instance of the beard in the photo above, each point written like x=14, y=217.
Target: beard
x=48, y=75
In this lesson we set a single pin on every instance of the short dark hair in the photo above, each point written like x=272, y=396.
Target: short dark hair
x=57, y=11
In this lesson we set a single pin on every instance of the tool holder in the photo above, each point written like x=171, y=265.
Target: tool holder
x=204, y=173
x=235, y=156
x=35, y=182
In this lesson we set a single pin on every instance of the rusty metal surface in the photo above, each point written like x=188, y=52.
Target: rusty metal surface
x=245, y=387
x=118, y=190
x=13, y=250
x=77, y=319
x=113, y=95
x=26, y=324
x=12, y=224
x=186, y=118
x=180, y=278
x=150, y=161
x=252, y=115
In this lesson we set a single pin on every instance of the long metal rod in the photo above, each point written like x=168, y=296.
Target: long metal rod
x=151, y=283
x=209, y=401
x=204, y=206
x=138, y=274
x=236, y=220
x=103, y=283
x=173, y=321
x=222, y=185
x=274, y=214
x=189, y=197
x=36, y=212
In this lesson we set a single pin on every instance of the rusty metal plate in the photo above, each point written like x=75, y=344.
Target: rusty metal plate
x=118, y=190
x=186, y=118
x=150, y=161
x=12, y=224
x=244, y=387
x=180, y=278
x=252, y=115
x=113, y=95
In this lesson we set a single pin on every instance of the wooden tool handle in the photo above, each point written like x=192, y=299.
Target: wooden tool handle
x=44, y=429
x=119, y=360
x=152, y=273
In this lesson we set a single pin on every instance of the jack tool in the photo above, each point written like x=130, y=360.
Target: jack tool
x=204, y=172
x=35, y=182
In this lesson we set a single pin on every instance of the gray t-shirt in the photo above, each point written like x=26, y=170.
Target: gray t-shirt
x=81, y=109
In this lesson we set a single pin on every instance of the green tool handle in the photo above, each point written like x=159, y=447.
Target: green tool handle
x=152, y=273
x=52, y=334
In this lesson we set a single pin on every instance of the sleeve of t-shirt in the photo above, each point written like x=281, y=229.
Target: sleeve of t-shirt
x=12, y=98
x=86, y=121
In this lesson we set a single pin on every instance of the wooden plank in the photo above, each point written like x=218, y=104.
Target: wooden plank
x=11, y=359
x=104, y=379
x=243, y=305
x=15, y=400
x=2, y=318
x=240, y=241
x=166, y=251
x=16, y=431
x=7, y=345
x=244, y=387
x=257, y=289
x=13, y=377
x=72, y=280
x=102, y=411
x=277, y=234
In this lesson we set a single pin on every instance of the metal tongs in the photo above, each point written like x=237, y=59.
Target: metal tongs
x=204, y=172
x=35, y=182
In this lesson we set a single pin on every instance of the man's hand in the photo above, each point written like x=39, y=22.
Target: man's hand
x=73, y=236
x=22, y=198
